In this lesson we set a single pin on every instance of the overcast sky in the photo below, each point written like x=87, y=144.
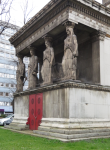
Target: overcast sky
x=16, y=12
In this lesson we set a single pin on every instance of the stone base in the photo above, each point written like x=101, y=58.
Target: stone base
x=18, y=124
x=74, y=129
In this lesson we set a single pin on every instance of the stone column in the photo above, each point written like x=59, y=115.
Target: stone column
x=48, y=61
x=32, y=69
x=97, y=38
x=69, y=62
x=39, y=69
x=20, y=74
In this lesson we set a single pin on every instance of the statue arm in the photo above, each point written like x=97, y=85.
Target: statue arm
x=64, y=46
x=76, y=46
x=35, y=64
x=52, y=56
x=22, y=72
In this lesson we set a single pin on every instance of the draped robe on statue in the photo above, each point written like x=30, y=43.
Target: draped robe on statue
x=20, y=74
x=32, y=72
x=69, y=62
x=47, y=66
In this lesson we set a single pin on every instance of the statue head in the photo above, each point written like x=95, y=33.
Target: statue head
x=20, y=58
x=48, y=42
x=69, y=30
x=69, y=27
x=32, y=51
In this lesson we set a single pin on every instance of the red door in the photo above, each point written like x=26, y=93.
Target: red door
x=35, y=110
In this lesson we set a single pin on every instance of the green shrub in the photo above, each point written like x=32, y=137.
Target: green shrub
x=3, y=115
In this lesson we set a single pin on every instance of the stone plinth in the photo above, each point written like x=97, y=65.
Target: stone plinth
x=21, y=113
x=70, y=108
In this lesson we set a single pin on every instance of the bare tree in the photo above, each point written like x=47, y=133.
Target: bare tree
x=26, y=10
x=5, y=7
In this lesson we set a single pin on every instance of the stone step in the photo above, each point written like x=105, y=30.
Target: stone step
x=72, y=136
x=70, y=140
x=73, y=131
x=28, y=132
x=17, y=126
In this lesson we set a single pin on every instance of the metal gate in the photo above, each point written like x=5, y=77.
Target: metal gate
x=35, y=110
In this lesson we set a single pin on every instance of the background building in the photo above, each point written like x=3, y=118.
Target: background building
x=106, y=2
x=8, y=66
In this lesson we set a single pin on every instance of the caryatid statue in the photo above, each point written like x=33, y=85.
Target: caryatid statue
x=48, y=61
x=69, y=62
x=32, y=69
x=20, y=74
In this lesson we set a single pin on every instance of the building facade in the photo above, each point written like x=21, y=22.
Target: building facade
x=8, y=66
x=70, y=40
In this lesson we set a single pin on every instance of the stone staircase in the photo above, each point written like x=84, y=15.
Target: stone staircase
x=73, y=129
x=16, y=126
x=67, y=135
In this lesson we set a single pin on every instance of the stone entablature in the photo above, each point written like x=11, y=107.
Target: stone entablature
x=66, y=84
x=94, y=13
x=58, y=20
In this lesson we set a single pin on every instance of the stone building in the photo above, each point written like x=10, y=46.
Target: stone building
x=68, y=44
x=8, y=66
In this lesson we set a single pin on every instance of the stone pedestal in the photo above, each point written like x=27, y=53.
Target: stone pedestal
x=21, y=113
x=71, y=111
x=74, y=129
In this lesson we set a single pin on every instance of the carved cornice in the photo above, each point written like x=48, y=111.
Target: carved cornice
x=101, y=14
x=67, y=84
x=69, y=23
x=99, y=35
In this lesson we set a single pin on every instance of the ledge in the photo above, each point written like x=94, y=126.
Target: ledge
x=90, y=3
x=64, y=84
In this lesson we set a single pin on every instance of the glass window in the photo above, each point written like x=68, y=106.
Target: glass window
x=7, y=76
x=7, y=46
x=2, y=54
x=2, y=66
x=2, y=45
x=7, y=85
x=1, y=84
x=11, y=94
x=7, y=94
x=1, y=93
x=2, y=75
x=11, y=76
x=15, y=67
x=7, y=37
x=12, y=85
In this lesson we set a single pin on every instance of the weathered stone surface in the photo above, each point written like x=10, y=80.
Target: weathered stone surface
x=20, y=74
x=48, y=61
x=32, y=69
x=63, y=129
x=69, y=62
x=21, y=113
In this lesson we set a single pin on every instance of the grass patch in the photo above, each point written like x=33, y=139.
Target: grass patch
x=16, y=141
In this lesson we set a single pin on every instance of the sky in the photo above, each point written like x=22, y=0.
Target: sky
x=17, y=14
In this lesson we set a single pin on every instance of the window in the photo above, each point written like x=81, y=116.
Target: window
x=12, y=85
x=7, y=76
x=1, y=84
x=9, y=67
x=2, y=66
x=2, y=45
x=1, y=54
x=7, y=55
x=1, y=93
x=15, y=67
x=11, y=76
x=11, y=94
x=7, y=37
x=2, y=75
x=7, y=85
x=7, y=94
